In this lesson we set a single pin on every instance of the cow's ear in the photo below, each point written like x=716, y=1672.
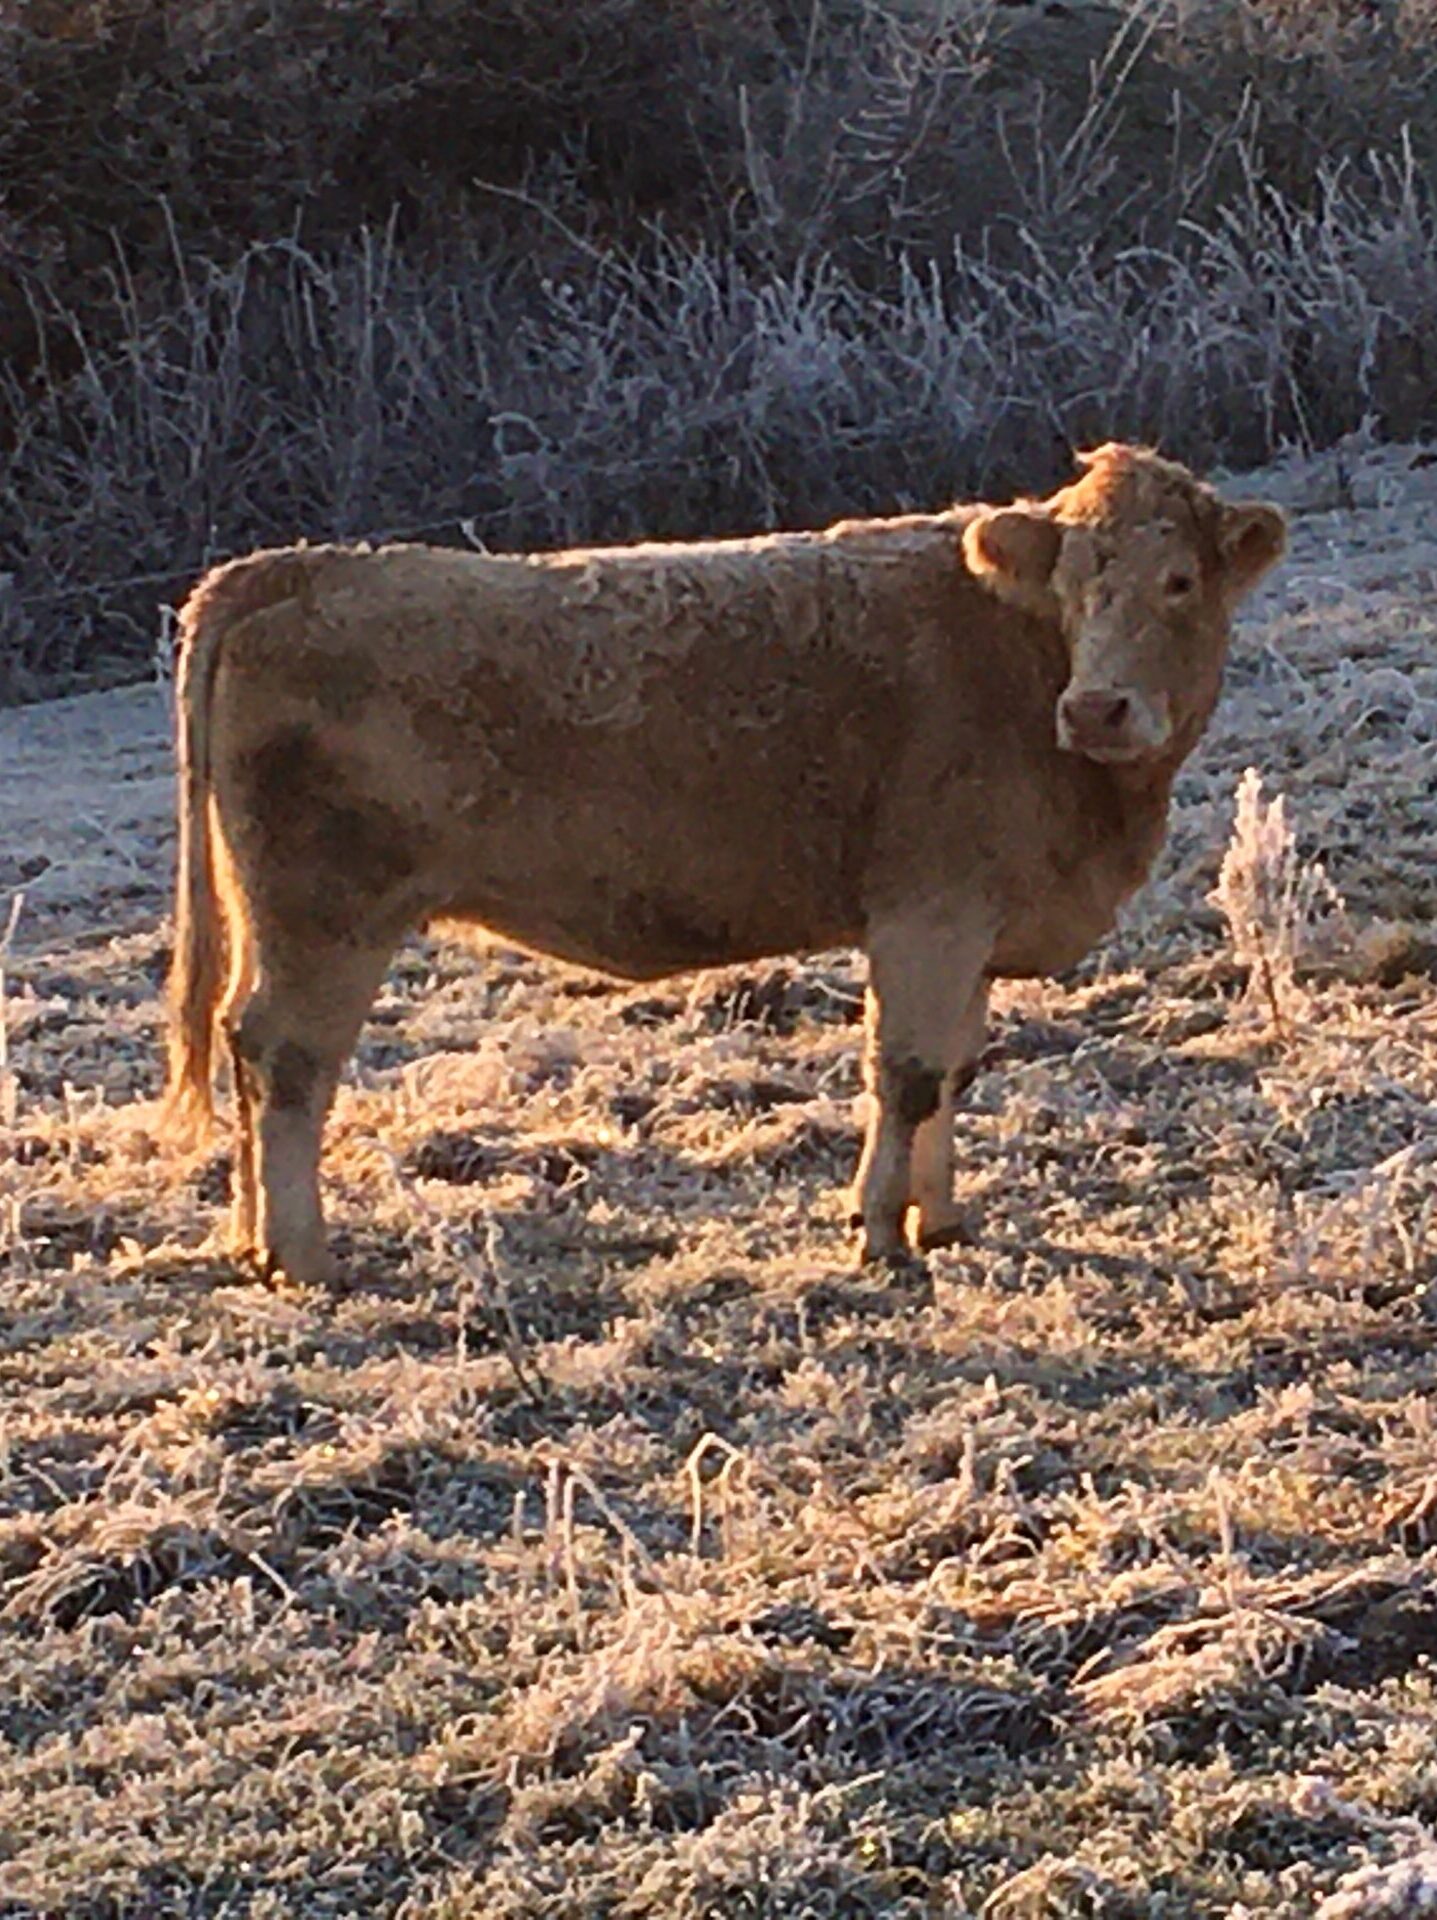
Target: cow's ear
x=1253, y=537
x=1013, y=549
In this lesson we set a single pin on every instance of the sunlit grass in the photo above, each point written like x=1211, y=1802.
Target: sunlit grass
x=613, y=1546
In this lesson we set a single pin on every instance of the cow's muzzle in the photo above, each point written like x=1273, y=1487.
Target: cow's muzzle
x=1110, y=724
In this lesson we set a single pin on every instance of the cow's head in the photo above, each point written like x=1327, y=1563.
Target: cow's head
x=1142, y=565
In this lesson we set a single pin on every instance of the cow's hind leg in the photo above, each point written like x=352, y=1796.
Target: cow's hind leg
x=940, y=1220
x=925, y=975
x=242, y=1176
x=291, y=1040
x=244, y=1199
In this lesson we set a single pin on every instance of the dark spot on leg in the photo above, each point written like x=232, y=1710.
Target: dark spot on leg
x=297, y=797
x=334, y=851
x=290, y=1070
x=914, y=1089
x=293, y=1071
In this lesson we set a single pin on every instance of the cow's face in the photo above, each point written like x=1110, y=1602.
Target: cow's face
x=1142, y=566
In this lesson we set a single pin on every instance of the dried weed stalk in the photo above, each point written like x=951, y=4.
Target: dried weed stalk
x=735, y=1465
x=482, y=1290
x=12, y=1237
x=1281, y=910
x=563, y=1483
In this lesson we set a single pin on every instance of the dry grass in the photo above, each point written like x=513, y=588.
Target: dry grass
x=612, y=1547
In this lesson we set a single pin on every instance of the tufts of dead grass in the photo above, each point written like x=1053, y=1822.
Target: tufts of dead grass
x=610, y=1545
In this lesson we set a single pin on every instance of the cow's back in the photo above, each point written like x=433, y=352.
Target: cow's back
x=643, y=758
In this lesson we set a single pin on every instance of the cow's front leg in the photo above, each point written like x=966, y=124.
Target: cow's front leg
x=925, y=975
x=940, y=1220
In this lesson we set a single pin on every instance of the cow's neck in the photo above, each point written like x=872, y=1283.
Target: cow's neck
x=1123, y=810
x=1146, y=786
x=1133, y=813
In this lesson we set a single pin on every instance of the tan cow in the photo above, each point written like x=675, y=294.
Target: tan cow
x=948, y=738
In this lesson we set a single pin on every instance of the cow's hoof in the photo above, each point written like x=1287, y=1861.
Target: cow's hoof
x=944, y=1230
x=316, y=1269
x=894, y=1255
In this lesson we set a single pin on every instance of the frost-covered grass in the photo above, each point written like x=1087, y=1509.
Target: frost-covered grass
x=611, y=1545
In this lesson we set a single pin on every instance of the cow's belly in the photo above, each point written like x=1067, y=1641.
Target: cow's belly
x=641, y=949
x=641, y=911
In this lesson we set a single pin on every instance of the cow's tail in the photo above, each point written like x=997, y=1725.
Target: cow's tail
x=225, y=596
x=199, y=932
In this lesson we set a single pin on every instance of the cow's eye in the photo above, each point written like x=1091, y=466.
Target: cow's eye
x=1177, y=586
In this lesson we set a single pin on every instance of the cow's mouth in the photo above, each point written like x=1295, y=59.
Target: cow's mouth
x=1110, y=726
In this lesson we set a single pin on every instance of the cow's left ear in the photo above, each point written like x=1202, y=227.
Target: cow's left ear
x=1252, y=537
x=1013, y=550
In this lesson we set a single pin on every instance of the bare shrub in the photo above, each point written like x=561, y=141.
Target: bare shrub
x=672, y=391
x=1280, y=909
x=282, y=267
x=227, y=120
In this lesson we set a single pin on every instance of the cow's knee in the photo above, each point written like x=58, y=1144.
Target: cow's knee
x=901, y=1077
x=281, y=1071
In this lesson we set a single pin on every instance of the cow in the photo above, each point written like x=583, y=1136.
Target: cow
x=946, y=738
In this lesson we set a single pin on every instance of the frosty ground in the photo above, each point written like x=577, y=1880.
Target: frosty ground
x=610, y=1545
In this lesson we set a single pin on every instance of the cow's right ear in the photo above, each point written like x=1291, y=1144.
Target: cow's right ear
x=1013, y=550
